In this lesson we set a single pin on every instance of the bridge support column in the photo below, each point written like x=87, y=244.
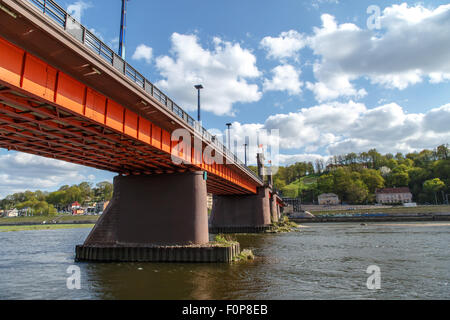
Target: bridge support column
x=241, y=214
x=154, y=218
x=279, y=212
x=274, y=208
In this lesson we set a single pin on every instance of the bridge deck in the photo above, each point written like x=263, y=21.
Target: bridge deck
x=55, y=111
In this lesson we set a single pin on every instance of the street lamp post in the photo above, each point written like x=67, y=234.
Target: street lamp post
x=245, y=152
x=229, y=138
x=123, y=25
x=198, y=87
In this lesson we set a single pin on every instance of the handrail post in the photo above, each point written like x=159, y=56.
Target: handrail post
x=83, y=35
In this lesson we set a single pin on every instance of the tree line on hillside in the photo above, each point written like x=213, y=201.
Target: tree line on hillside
x=355, y=177
x=50, y=203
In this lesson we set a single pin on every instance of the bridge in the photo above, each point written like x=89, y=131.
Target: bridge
x=66, y=95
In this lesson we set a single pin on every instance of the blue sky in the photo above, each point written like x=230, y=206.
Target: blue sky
x=314, y=70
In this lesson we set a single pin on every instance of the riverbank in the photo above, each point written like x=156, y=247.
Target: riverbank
x=434, y=213
x=386, y=218
x=390, y=210
x=375, y=214
x=48, y=220
x=16, y=228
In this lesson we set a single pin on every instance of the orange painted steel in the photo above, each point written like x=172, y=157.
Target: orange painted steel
x=46, y=112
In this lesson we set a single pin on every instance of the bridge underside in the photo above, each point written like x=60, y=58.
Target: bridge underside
x=45, y=112
x=33, y=126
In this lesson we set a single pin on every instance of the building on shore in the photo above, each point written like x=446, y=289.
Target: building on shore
x=76, y=209
x=10, y=213
x=328, y=199
x=100, y=207
x=393, y=195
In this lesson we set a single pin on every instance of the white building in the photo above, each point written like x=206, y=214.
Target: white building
x=393, y=195
x=11, y=213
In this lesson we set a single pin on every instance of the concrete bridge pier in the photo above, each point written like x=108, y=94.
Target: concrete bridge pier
x=241, y=213
x=274, y=208
x=154, y=218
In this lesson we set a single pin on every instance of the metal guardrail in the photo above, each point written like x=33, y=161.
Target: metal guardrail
x=51, y=9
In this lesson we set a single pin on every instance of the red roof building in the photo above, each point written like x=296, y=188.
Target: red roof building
x=393, y=195
x=75, y=205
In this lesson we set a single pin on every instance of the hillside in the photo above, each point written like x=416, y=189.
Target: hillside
x=356, y=177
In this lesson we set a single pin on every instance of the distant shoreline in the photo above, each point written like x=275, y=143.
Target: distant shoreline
x=18, y=224
x=48, y=220
x=36, y=227
x=388, y=218
x=80, y=220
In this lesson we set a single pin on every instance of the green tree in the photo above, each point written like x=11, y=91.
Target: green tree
x=443, y=152
x=290, y=191
x=372, y=179
x=325, y=183
x=104, y=191
x=356, y=192
x=398, y=177
x=433, y=186
x=86, y=192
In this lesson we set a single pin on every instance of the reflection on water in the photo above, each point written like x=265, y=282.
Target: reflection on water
x=323, y=261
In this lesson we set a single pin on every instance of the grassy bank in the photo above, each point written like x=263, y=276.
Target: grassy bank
x=47, y=219
x=222, y=240
x=393, y=210
x=44, y=227
x=284, y=225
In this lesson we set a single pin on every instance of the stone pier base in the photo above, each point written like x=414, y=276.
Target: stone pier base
x=155, y=218
x=181, y=254
x=241, y=213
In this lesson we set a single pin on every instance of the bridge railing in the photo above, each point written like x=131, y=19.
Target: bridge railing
x=51, y=9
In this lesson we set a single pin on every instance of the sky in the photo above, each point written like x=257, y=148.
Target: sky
x=332, y=76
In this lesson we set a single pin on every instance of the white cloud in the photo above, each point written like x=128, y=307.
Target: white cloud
x=285, y=78
x=338, y=128
x=412, y=45
x=289, y=159
x=21, y=171
x=114, y=43
x=317, y=3
x=224, y=72
x=286, y=45
x=77, y=9
x=438, y=120
x=143, y=52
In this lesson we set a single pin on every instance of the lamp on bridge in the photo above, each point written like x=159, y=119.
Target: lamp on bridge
x=123, y=25
x=245, y=151
x=229, y=139
x=198, y=87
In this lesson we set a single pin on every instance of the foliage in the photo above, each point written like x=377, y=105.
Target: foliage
x=224, y=240
x=282, y=226
x=45, y=203
x=356, y=177
x=244, y=255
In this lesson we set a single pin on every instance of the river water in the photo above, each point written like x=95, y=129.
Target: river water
x=322, y=261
